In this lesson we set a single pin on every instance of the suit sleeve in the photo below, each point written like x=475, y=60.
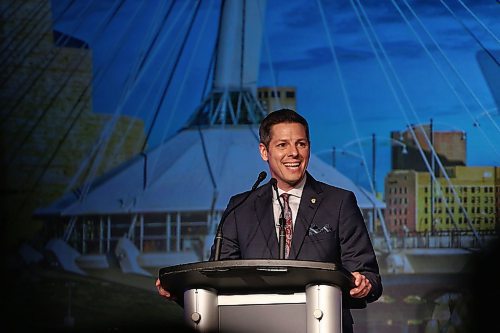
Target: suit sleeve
x=230, y=248
x=357, y=252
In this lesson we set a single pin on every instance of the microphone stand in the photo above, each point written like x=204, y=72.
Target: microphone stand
x=282, y=240
x=282, y=233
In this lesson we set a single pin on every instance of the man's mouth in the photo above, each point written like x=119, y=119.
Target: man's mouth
x=293, y=165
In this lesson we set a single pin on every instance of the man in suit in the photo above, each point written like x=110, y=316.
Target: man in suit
x=326, y=223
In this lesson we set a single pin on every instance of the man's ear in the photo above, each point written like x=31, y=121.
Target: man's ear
x=263, y=151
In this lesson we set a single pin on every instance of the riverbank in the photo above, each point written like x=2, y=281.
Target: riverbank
x=45, y=299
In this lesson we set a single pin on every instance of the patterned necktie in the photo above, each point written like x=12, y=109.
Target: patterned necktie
x=288, y=223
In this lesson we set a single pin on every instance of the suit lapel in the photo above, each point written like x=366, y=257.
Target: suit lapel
x=309, y=203
x=265, y=216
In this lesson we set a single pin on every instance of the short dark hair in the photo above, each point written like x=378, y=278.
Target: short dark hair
x=278, y=117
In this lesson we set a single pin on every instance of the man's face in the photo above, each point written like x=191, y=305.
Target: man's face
x=287, y=154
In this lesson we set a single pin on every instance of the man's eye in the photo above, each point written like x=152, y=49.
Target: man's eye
x=281, y=145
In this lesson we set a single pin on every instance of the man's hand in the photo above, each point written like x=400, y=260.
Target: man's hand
x=162, y=291
x=363, y=286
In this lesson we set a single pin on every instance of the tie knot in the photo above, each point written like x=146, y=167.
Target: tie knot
x=285, y=196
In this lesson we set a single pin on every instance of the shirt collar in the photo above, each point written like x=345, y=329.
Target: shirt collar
x=296, y=191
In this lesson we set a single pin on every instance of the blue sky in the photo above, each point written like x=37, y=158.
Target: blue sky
x=343, y=91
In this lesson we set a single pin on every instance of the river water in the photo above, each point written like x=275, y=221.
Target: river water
x=426, y=303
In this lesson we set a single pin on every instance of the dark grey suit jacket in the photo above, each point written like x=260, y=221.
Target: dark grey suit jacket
x=329, y=228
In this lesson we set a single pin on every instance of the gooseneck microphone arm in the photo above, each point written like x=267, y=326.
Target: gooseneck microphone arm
x=218, y=237
x=282, y=234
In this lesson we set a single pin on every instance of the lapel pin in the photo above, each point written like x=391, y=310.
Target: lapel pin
x=313, y=200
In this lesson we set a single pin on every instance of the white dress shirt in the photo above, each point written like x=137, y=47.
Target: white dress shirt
x=293, y=201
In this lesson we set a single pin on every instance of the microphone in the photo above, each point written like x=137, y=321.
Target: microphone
x=218, y=237
x=274, y=183
x=282, y=238
x=262, y=176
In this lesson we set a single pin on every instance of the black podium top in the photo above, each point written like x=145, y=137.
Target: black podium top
x=252, y=276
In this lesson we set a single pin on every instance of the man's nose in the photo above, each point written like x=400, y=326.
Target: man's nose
x=293, y=151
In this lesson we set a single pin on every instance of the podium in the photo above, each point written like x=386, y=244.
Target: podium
x=259, y=295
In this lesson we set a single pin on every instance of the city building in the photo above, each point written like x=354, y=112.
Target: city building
x=273, y=98
x=465, y=200
x=48, y=129
x=450, y=146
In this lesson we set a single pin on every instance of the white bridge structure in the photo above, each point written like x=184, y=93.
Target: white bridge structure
x=162, y=207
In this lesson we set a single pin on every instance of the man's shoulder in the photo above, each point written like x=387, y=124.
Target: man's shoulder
x=328, y=188
x=257, y=192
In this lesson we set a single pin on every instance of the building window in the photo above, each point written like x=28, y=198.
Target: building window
x=290, y=94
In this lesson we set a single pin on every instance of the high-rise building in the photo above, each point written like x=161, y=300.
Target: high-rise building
x=48, y=130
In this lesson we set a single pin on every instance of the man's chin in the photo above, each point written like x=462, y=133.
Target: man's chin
x=292, y=181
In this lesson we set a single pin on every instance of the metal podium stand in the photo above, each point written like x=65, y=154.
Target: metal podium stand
x=259, y=295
